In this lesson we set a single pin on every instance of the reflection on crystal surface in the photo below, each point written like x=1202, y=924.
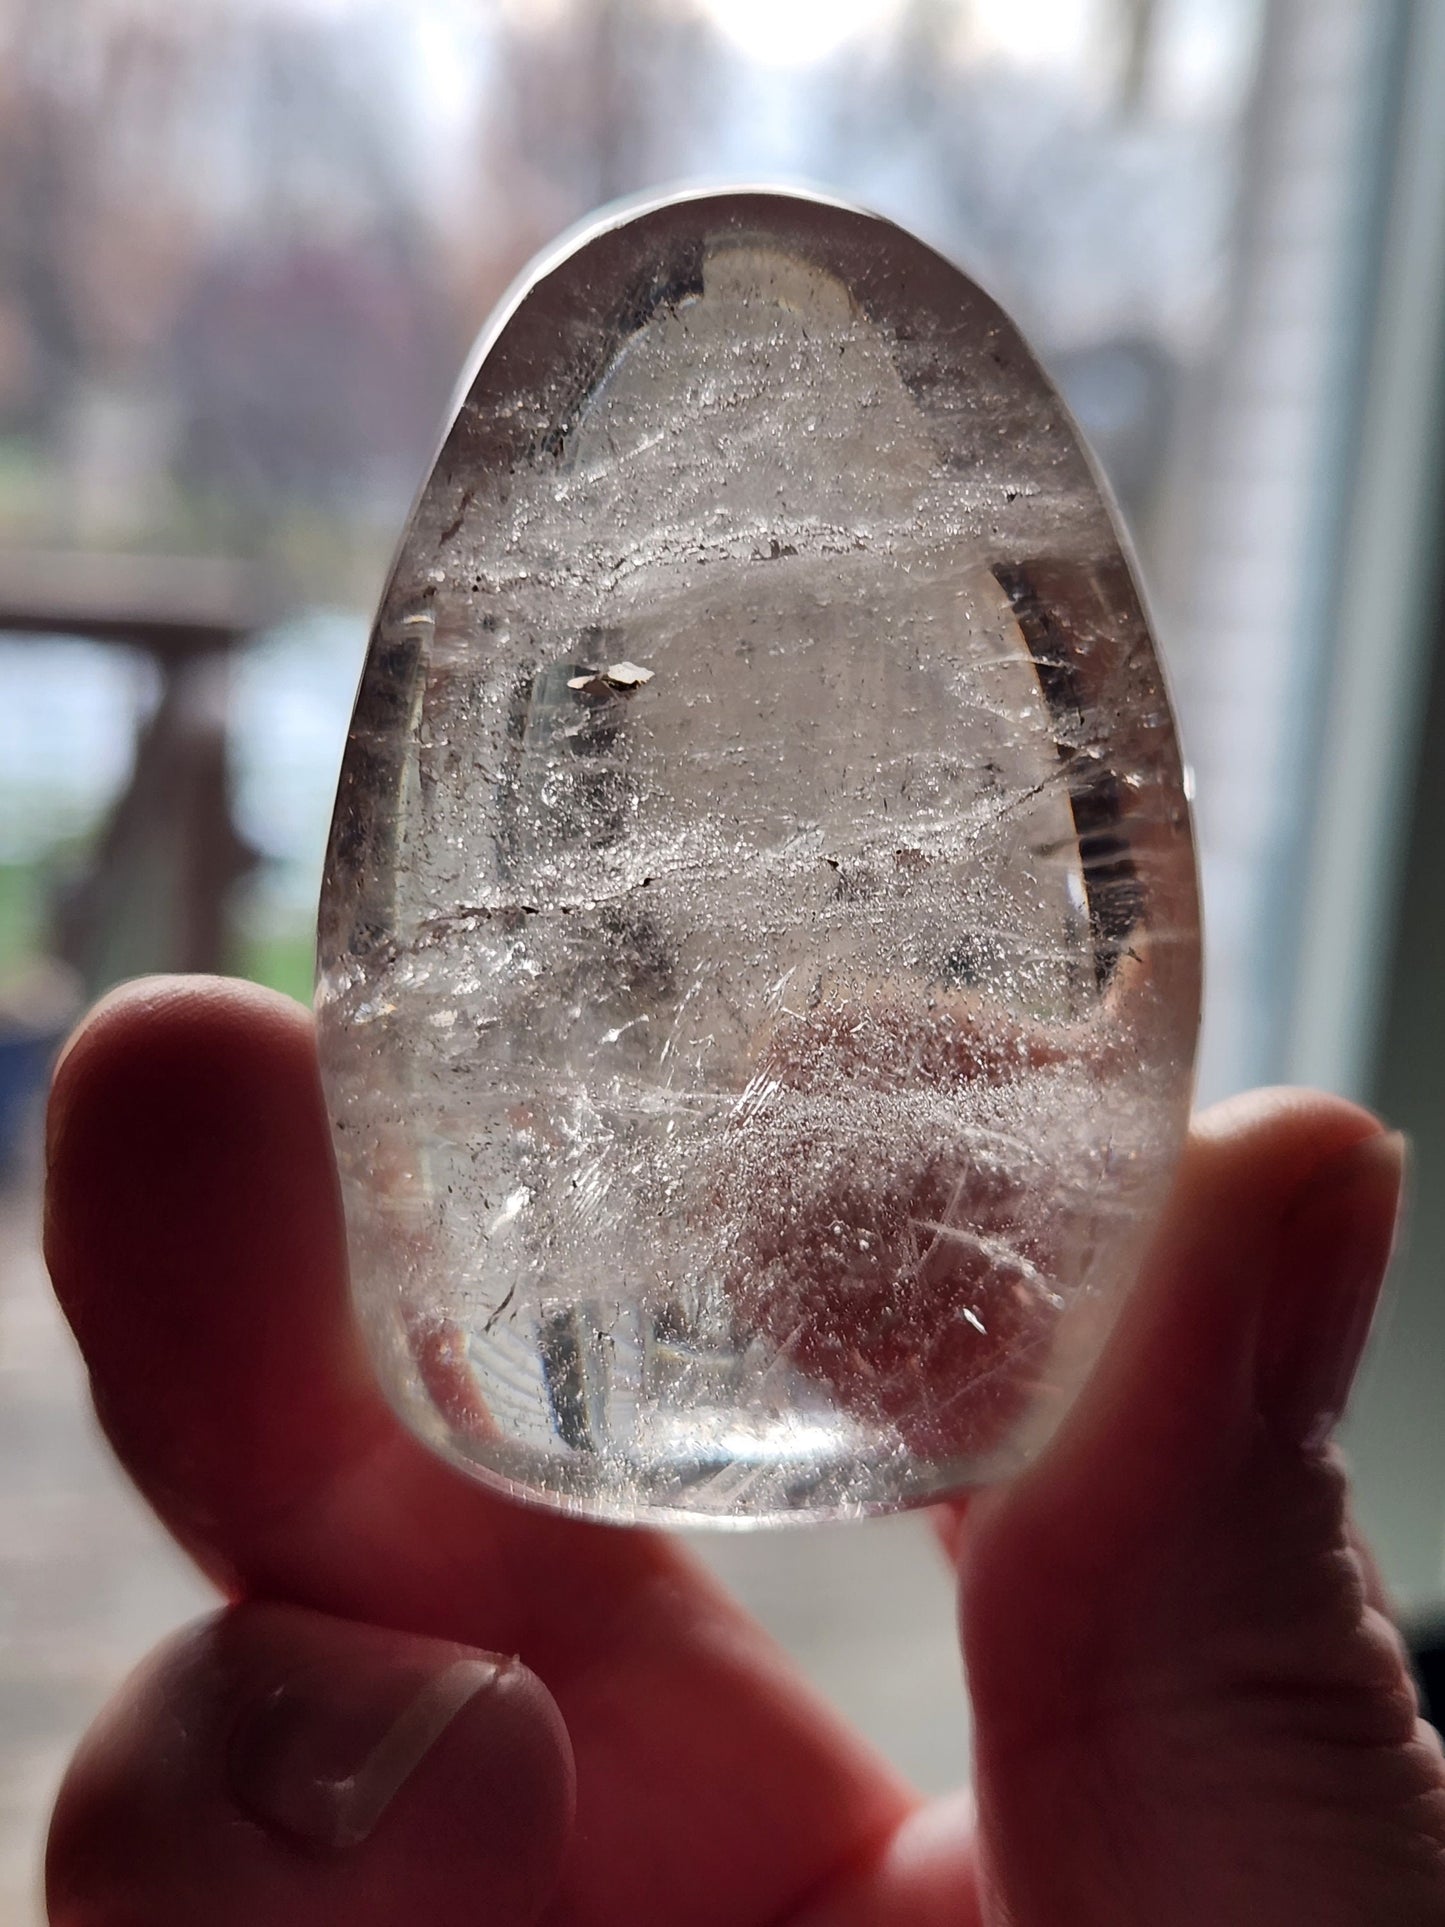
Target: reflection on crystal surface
x=759, y=947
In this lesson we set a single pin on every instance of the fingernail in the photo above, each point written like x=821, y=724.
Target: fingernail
x=321, y=1758
x=1337, y=1241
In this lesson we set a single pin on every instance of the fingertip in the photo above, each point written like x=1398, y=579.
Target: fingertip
x=168, y=1092
x=1174, y=1402
x=200, y=1006
x=1214, y=1254
x=1339, y=1236
x=1286, y=1129
x=189, y=994
x=147, y=1037
x=194, y=1235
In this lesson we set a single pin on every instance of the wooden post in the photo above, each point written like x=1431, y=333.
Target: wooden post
x=158, y=890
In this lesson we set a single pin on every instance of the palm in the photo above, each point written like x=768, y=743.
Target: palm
x=1134, y=1722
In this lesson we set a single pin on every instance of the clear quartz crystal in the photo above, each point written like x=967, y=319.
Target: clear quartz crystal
x=759, y=946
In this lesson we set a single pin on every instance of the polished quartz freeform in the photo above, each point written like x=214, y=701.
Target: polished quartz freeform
x=759, y=948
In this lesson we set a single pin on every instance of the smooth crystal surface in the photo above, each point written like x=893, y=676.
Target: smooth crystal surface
x=759, y=947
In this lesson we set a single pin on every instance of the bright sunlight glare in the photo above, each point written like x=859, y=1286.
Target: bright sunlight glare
x=794, y=33
x=1037, y=32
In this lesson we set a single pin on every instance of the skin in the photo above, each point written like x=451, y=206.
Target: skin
x=1190, y=1705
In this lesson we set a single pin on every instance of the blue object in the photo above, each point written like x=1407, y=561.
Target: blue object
x=25, y=1060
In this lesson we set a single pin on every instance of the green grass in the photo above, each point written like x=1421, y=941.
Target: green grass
x=283, y=957
x=283, y=960
x=22, y=903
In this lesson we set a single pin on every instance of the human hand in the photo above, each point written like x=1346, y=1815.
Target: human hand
x=1190, y=1707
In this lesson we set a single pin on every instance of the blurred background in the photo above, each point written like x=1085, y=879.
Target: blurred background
x=244, y=248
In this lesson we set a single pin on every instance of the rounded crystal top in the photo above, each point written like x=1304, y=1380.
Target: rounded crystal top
x=759, y=954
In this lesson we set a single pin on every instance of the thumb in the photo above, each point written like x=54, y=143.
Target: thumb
x=276, y=1765
x=1176, y=1654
